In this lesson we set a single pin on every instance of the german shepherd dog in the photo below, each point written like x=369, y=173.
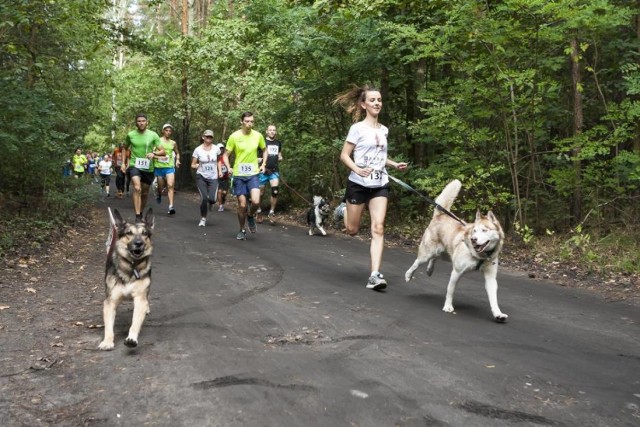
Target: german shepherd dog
x=474, y=246
x=318, y=215
x=127, y=275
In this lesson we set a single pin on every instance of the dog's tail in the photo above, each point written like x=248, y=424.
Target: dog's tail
x=448, y=196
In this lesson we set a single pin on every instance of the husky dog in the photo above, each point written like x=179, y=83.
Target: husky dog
x=317, y=216
x=474, y=246
x=128, y=274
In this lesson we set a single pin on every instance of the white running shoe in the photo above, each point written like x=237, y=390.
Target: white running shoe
x=203, y=222
x=376, y=282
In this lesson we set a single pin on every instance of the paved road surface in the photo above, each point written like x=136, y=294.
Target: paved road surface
x=279, y=330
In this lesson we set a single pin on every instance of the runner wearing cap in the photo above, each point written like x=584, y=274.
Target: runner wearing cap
x=205, y=162
x=223, y=180
x=165, y=166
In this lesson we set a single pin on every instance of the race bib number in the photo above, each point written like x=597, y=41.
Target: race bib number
x=208, y=167
x=223, y=168
x=272, y=150
x=142, y=163
x=247, y=169
x=375, y=178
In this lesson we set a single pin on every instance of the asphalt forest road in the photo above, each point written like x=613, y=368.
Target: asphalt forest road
x=279, y=330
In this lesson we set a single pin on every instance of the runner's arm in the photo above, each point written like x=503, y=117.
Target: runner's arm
x=177, y=151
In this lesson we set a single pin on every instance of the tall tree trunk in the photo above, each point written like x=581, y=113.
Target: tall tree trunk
x=185, y=176
x=578, y=125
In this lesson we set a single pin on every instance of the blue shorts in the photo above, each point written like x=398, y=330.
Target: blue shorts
x=162, y=172
x=266, y=178
x=242, y=185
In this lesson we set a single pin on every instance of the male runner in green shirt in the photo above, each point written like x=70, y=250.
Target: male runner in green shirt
x=244, y=143
x=141, y=146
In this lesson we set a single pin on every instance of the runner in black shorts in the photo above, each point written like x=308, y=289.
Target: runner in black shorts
x=365, y=154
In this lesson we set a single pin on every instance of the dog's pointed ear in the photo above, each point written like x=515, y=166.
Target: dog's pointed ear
x=478, y=215
x=495, y=222
x=115, y=218
x=149, y=219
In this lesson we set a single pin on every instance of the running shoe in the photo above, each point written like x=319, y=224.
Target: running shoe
x=221, y=208
x=376, y=282
x=272, y=216
x=242, y=235
x=203, y=222
x=251, y=221
x=338, y=213
x=172, y=210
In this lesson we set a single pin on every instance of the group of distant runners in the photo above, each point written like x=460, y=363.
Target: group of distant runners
x=147, y=157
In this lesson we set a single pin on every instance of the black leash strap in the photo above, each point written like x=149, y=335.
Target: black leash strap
x=294, y=191
x=428, y=200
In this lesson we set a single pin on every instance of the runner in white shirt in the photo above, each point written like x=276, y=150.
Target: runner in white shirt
x=104, y=167
x=205, y=162
x=368, y=183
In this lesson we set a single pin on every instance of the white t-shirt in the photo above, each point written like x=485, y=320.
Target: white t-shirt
x=370, y=151
x=105, y=167
x=208, y=161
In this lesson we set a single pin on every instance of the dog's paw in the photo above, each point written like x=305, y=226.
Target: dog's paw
x=130, y=342
x=310, y=232
x=324, y=233
x=408, y=276
x=106, y=345
x=501, y=318
x=448, y=308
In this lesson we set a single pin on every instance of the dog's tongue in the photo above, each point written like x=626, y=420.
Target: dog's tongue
x=480, y=248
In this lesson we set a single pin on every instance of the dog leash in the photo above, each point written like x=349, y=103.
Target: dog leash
x=427, y=199
x=294, y=191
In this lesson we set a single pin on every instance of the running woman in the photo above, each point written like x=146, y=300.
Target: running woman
x=105, y=173
x=368, y=183
x=205, y=162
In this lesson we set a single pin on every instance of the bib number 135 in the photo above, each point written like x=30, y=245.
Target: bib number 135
x=246, y=169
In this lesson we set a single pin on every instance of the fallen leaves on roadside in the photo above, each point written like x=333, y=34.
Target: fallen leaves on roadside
x=31, y=290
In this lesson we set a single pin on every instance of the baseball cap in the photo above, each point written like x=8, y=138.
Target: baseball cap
x=220, y=146
x=167, y=125
x=208, y=133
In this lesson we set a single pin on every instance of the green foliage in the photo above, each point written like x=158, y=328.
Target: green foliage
x=478, y=91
